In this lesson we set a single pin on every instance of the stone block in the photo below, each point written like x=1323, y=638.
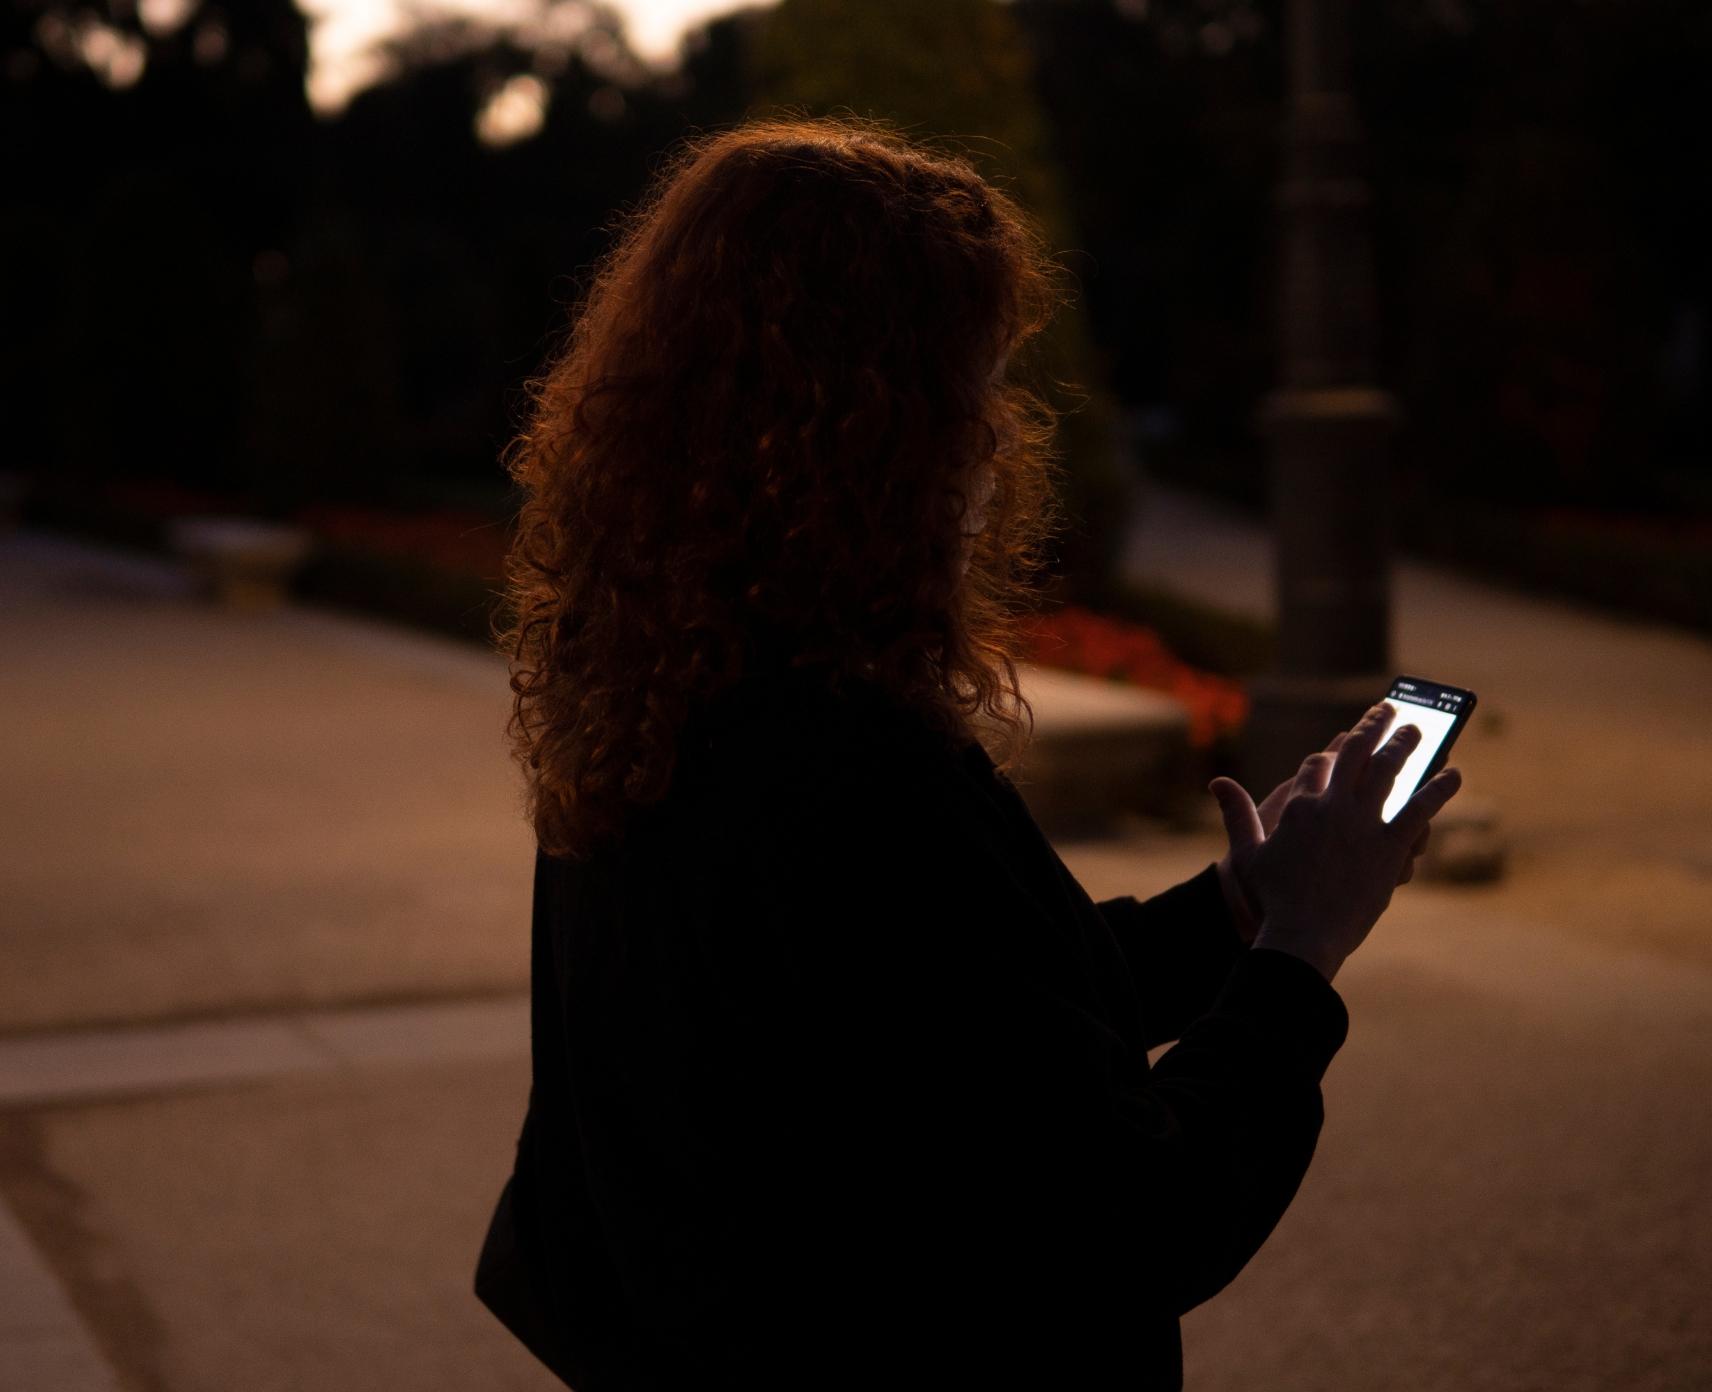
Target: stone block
x=244, y=564
x=1101, y=751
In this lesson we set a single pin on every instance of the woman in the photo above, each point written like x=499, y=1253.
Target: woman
x=840, y=1079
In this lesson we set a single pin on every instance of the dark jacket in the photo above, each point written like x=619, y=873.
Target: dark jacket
x=840, y=1081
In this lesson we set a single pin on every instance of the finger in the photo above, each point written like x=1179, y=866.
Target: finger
x=1419, y=810
x=1326, y=763
x=1310, y=778
x=1273, y=808
x=1387, y=762
x=1358, y=748
x=1242, y=820
x=1415, y=854
x=1312, y=775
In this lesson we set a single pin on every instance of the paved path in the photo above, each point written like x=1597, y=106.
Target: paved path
x=211, y=812
x=1509, y=1192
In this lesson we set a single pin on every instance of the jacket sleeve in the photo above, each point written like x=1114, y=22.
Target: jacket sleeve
x=953, y=1021
x=1180, y=945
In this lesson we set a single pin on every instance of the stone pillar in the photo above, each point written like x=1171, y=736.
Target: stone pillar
x=1327, y=425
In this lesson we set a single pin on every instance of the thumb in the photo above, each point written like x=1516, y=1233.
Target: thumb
x=1242, y=818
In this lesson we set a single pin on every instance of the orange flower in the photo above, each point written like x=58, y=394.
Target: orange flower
x=469, y=543
x=1078, y=640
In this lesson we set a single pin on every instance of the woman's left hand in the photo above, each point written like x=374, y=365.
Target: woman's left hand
x=1244, y=910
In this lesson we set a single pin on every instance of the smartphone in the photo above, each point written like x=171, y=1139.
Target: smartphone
x=1439, y=712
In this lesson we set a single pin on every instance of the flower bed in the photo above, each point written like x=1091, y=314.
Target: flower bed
x=463, y=546
x=1644, y=530
x=459, y=540
x=1079, y=640
x=162, y=498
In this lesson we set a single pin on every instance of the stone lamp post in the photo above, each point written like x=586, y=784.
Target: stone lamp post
x=1327, y=425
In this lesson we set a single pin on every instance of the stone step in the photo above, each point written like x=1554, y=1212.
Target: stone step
x=1467, y=844
x=1101, y=751
x=243, y=563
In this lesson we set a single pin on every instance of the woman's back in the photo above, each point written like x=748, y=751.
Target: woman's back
x=708, y=1156
x=834, y=1075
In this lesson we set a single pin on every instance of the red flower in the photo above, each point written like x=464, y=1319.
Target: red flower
x=1078, y=640
x=469, y=543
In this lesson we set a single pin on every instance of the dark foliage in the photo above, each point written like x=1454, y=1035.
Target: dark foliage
x=205, y=281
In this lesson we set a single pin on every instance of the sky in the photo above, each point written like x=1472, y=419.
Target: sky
x=342, y=33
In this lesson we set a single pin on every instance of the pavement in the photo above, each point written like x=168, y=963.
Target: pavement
x=264, y=1043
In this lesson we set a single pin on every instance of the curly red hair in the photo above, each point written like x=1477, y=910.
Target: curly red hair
x=752, y=449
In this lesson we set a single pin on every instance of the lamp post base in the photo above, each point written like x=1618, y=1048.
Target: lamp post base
x=1291, y=717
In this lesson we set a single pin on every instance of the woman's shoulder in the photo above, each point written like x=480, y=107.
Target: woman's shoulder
x=799, y=722
x=786, y=759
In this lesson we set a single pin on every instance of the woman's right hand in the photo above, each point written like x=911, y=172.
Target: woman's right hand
x=1327, y=872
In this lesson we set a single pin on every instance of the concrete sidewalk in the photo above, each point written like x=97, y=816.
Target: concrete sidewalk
x=214, y=812
x=1508, y=1192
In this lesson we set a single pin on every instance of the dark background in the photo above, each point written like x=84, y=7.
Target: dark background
x=208, y=284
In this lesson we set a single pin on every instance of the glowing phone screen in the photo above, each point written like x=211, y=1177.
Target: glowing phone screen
x=1432, y=709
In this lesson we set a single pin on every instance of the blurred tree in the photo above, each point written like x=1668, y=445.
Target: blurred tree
x=961, y=69
x=153, y=162
x=1166, y=116
x=322, y=417
x=1543, y=240
x=716, y=59
x=199, y=277
x=1540, y=252
x=449, y=197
